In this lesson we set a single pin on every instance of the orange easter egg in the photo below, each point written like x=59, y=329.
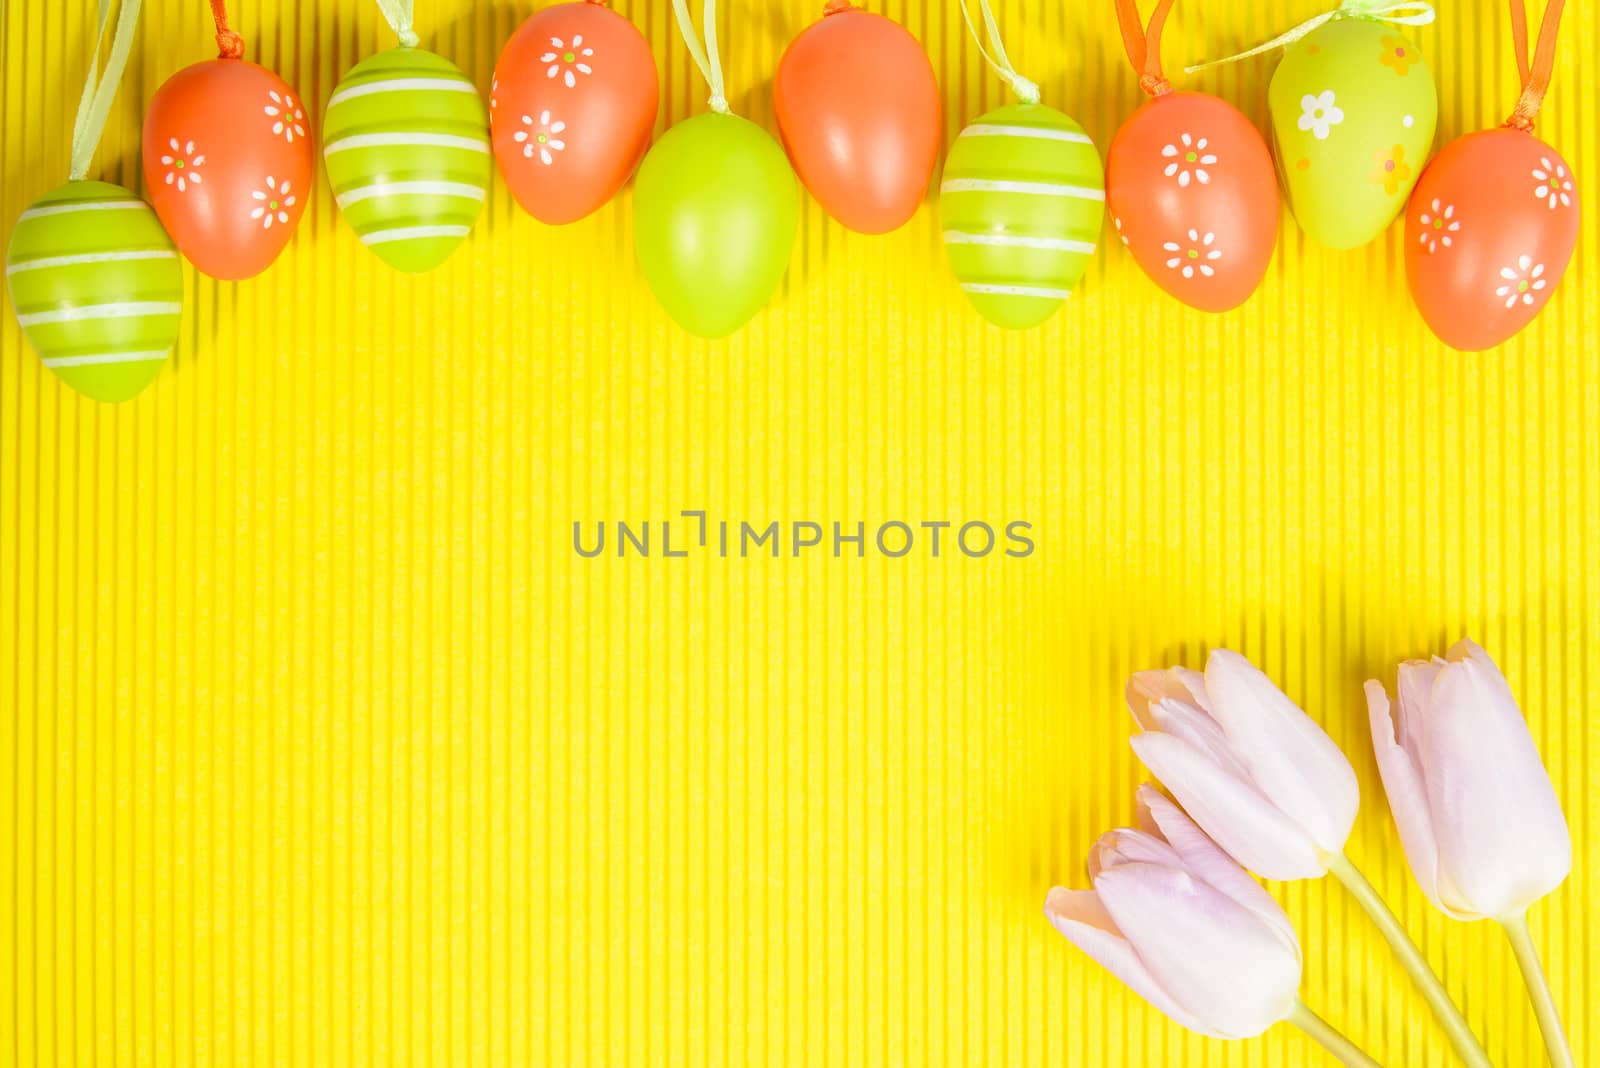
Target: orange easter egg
x=574, y=100
x=228, y=164
x=1193, y=195
x=858, y=109
x=1489, y=231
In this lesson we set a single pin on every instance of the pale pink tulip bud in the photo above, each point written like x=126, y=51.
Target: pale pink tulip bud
x=1256, y=773
x=1477, y=815
x=1183, y=925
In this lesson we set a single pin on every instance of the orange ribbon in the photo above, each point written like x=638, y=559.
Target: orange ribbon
x=1143, y=43
x=1535, y=76
x=230, y=44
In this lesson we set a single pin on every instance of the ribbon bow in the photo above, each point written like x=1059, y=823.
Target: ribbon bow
x=397, y=13
x=1143, y=43
x=1403, y=13
x=1535, y=76
x=704, y=52
x=1027, y=91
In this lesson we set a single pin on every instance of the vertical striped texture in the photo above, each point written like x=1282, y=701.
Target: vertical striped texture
x=320, y=746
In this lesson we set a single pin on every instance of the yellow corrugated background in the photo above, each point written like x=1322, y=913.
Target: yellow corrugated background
x=320, y=745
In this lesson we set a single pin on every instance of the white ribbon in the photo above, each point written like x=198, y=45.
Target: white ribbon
x=705, y=56
x=94, y=106
x=1405, y=13
x=397, y=13
x=1026, y=90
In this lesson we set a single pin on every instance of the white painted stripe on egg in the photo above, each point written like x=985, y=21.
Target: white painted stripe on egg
x=1052, y=244
x=384, y=189
x=1036, y=133
x=1017, y=291
x=69, y=209
x=405, y=140
x=1039, y=189
x=406, y=233
x=402, y=85
x=105, y=357
x=89, y=257
x=85, y=312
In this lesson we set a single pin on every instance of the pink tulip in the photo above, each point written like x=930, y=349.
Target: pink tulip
x=1477, y=814
x=1478, y=817
x=1255, y=772
x=1182, y=925
x=1271, y=788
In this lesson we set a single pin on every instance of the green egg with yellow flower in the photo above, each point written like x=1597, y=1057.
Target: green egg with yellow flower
x=1353, y=108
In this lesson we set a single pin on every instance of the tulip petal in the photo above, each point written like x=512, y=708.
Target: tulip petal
x=1233, y=812
x=1181, y=684
x=1080, y=918
x=1414, y=690
x=1502, y=838
x=1160, y=701
x=1291, y=759
x=1408, y=797
x=1208, y=953
x=1127, y=846
x=1205, y=860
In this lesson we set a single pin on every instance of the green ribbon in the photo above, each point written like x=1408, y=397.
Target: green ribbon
x=1027, y=91
x=99, y=90
x=705, y=56
x=397, y=13
x=1404, y=13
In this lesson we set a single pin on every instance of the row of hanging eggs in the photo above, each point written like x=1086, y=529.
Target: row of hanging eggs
x=406, y=140
x=227, y=155
x=407, y=143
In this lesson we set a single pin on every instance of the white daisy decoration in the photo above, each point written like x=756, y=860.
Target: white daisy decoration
x=1439, y=226
x=567, y=61
x=288, y=117
x=1188, y=160
x=1555, y=184
x=541, y=137
x=1522, y=282
x=1320, y=114
x=182, y=164
x=272, y=203
x=1195, y=255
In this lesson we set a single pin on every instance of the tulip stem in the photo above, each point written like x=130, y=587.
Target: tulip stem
x=1329, y=1038
x=1465, y=1042
x=1544, y=1004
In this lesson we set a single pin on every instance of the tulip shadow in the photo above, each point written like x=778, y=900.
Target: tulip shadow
x=1070, y=770
x=473, y=40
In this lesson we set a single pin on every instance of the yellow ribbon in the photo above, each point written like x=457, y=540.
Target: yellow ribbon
x=705, y=57
x=397, y=13
x=1404, y=13
x=94, y=106
x=1026, y=90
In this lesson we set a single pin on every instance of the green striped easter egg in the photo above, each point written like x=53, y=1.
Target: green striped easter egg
x=1022, y=201
x=97, y=288
x=406, y=142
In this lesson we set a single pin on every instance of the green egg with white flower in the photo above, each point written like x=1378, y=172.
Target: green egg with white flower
x=1353, y=113
x=97, y=288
